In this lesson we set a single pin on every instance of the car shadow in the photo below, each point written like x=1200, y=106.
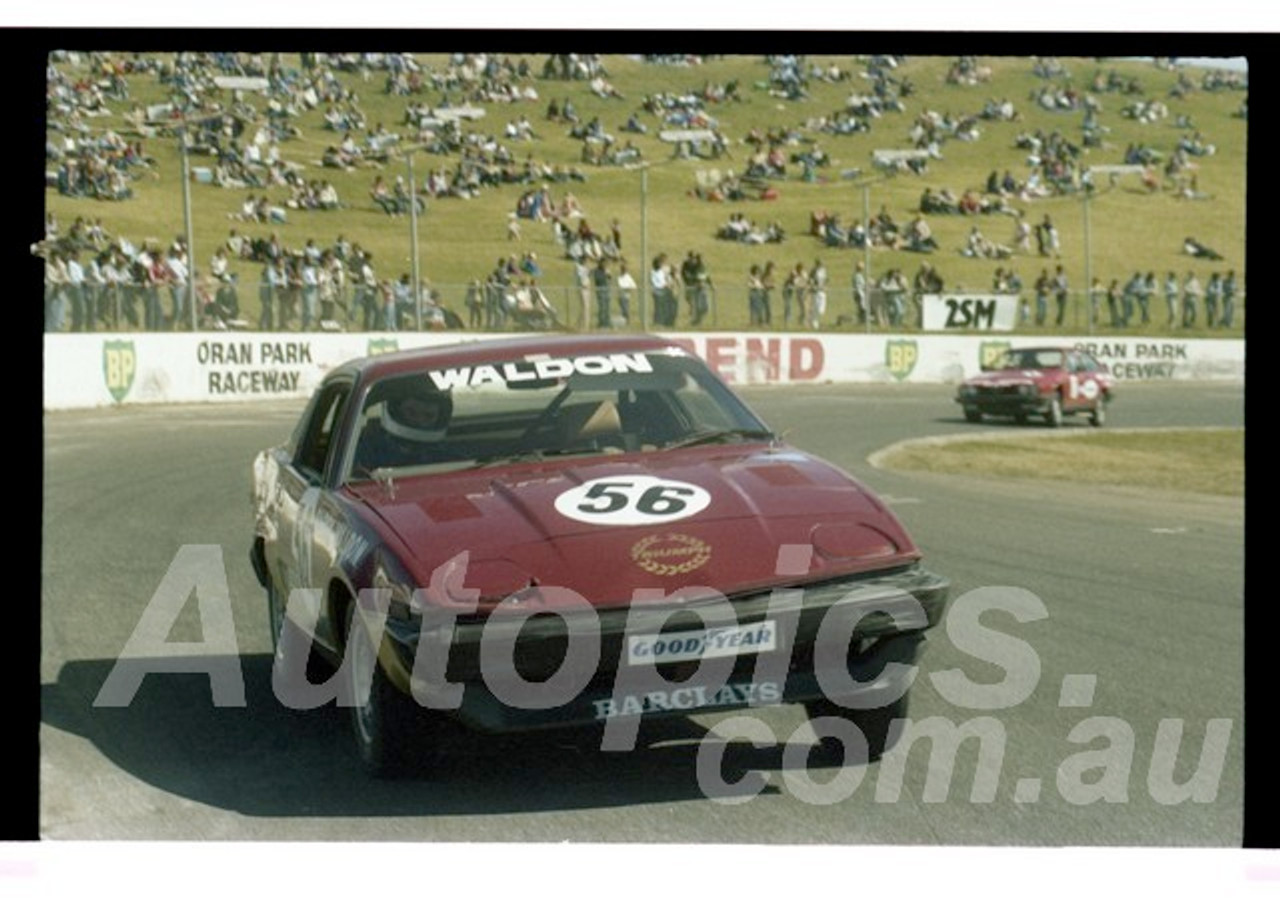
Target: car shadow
x=1008, y=422
x=263, y=759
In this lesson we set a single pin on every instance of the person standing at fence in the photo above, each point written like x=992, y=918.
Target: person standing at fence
x=338, y=269
x=860, y=293
x=755, y=297
x=75, y=291
x=474, y=300
x=328, y=286
x=1096, y=294
x=267, y=297
x=704, y=288
x=660, y=285
x=387, y=303
x=310, y=278
x=689, y=281
x=134, y=280
x=495, y=291
x=99, y=298
x=158, y=279
x=115, y=274
x=289, y=299
x=1191, y=292
x=817, y=293
x=768, y=283
x=1212, y=295
x=1042, y=287
x=582, y=279
x=626, y=291
x=1129, y=297
x=894, y=285
x=1171, y=292
x=1113, y=304
x=179, y=280
x=55, y=282
x=1146, y=291
x=1061, y=288
x=602, y=282
x=367, y=293
x=1228, y=299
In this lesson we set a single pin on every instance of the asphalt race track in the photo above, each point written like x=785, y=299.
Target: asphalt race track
x=1127, y=729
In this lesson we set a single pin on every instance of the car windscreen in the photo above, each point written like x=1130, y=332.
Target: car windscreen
x=543, y=406
x=1031, y=359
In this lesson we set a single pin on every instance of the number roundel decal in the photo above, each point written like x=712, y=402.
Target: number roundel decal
x=636, y=499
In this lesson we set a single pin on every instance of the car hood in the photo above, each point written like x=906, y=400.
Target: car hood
x=1010, y=376
x=524, y=531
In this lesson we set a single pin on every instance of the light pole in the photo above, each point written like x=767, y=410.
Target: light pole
x=865, y=186
x=1088, y=261
x=413, y=235
x=642, y=307
x=186, y=218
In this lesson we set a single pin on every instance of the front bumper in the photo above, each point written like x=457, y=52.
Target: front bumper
x=826, y=634
x=1004, y=402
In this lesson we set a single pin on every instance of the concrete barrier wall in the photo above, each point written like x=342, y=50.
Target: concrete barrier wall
x=91, y=370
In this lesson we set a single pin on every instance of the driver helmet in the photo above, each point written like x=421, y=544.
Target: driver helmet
x=416, y=411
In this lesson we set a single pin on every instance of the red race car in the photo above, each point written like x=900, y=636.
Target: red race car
x=555, y=531
x=1049, y=381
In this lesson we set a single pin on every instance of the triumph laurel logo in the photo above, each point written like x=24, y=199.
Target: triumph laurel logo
x=670, y=554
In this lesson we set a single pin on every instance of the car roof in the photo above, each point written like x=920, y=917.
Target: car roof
x=502, y=349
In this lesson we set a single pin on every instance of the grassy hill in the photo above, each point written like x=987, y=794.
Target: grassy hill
x=1129, y=228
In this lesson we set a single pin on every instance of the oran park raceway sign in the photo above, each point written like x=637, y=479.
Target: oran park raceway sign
x=107, y=369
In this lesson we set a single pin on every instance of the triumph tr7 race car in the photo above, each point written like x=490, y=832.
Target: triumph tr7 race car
x=1049, y=381
x=573, y=530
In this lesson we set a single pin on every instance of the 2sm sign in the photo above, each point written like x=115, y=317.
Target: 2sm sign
x=969, y=312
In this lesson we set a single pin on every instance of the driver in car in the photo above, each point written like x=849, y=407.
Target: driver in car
x=414, y=416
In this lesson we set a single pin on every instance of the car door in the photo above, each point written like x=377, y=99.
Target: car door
x=1083, y=386
x=300, y=487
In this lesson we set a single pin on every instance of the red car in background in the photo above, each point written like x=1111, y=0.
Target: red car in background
x=447, y=525
x=1048, y=381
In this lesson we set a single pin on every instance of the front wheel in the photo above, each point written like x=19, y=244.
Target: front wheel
x=972, y=415
x=381, y=716
x=1099, y=415
x=877, y=724
x=286, y=636
x=1053, y=416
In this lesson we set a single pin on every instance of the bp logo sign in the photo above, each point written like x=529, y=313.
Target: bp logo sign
x=990, y=350
x=119, y=365
x=379, y=346
x=900, y=357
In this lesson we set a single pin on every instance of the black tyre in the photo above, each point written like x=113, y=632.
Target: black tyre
x=318, y=669
x=876, y=724
x=1099, y=415
x=972, y=415
x=383, y=721
x=1053, y=416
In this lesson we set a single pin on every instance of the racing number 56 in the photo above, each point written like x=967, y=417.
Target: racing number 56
x=609, y=496
x=632, y=499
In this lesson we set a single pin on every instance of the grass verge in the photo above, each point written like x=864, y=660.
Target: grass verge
x=1179, y=460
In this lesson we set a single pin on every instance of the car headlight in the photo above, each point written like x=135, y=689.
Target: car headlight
x=1027, y=389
